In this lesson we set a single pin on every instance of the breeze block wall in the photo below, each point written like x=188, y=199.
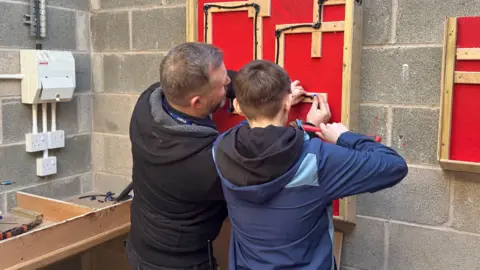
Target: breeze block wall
x=429, y=221
x=129, y=39
x=67, y=29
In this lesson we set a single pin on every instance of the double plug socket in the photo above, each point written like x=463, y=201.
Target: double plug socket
x=36, y=142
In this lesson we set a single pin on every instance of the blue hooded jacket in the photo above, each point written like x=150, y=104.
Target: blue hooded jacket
x=279, y=184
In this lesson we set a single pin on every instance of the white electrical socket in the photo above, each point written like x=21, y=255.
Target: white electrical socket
x=46, y=166
x=56, y=139
x=36, y=142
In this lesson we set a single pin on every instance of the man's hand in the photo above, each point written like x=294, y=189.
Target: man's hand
x=319, y=112
x=298, y=93
x=331, y=132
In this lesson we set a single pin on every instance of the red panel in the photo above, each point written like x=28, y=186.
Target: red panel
x=233, y=32
x=465, y=129
x=467, y=32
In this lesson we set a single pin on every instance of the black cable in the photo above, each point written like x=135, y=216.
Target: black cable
x=255, y=6
x=124, y=194
x=278, y=34
x=315, y=25
x=108, y=196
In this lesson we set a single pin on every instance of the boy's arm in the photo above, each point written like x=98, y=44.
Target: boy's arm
x=357, y=164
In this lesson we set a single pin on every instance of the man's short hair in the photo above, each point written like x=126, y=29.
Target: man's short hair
x=185, y=70
x=260, y=89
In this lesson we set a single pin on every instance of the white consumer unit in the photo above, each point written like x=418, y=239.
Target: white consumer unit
x=48, y=76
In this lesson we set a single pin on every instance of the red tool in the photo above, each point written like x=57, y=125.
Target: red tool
x=309, y=128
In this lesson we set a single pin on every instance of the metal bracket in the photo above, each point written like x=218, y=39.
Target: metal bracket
x=37, y=19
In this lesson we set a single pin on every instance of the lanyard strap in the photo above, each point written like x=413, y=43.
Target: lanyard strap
x=176, y=117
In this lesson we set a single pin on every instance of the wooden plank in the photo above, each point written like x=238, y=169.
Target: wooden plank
x=460, y=166
x=342, y=225
x=467, y=77
x=468, y=54
x=259, y=39
x=351, y=64
x=352, y=50
x=228, y=4
x=316, y=44
x=191, y=19
x=349, y=209
x=210, y=28
x=69, y=237
x=337, y=247
x=338, y=26
x=25, y=213
x=446, y=96
x=51, y=209
x=334, y=2
x=265, y=7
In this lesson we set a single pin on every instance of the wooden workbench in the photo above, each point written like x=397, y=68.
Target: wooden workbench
x=69, y=227
x=74, y=225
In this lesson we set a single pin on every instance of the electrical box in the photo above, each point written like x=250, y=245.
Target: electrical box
x=49, y=76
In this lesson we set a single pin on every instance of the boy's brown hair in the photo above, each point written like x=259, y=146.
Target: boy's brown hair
x=260, y=89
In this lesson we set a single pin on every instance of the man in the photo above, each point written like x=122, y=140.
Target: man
x=178, y=204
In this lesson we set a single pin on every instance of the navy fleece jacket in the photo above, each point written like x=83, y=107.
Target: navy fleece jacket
x=279, y=185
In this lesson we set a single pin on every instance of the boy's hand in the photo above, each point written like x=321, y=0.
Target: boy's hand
x=319, y=112
x=298, y=93
x=331, y=132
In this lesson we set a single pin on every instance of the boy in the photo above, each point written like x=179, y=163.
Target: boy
x=279, y=183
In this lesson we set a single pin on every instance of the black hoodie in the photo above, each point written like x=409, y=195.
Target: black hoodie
x=178, y=202
x=254, y=156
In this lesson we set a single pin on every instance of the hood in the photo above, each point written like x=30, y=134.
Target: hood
x=160, y=139
x=257, y=162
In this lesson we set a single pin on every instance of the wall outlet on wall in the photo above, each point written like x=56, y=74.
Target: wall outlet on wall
x=56, y=139
x=35, y=142
x=46, y=166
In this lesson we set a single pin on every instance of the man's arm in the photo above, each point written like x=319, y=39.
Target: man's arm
x=357, y=164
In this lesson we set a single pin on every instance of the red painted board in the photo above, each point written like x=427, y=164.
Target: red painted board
x=465, y=128
x=233, y=32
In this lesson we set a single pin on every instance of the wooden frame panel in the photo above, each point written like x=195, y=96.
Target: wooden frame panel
x=316, y=37
x=352, y=27
x=450, y=77
x=251, y=14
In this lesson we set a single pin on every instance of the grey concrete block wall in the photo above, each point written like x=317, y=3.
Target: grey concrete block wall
x=129, y=39
x=428, y=221
x=68, y=28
